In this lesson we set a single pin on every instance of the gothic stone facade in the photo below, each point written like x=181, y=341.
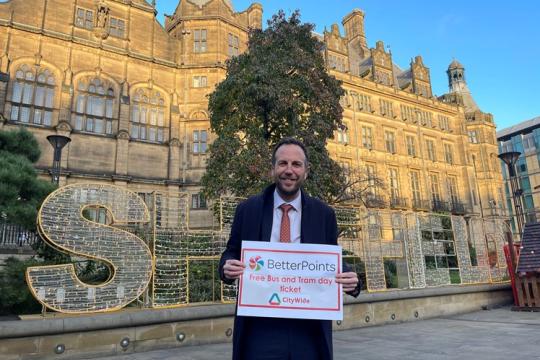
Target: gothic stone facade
x=132, y=96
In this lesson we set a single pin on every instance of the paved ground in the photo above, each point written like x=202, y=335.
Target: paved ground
x=484, y=335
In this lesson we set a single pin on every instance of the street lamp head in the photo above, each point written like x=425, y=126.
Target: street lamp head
x=58, y=141
x=509, y=157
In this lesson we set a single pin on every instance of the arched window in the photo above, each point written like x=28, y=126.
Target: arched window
x=148, y=116
x=33, y=96
x=93, y=107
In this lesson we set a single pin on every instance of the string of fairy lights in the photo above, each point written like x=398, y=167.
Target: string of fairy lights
x=154, y=253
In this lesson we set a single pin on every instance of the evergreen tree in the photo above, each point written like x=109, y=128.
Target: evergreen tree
x=21, y=192
x=279, y=87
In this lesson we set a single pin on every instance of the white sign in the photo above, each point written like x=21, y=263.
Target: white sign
x=290, y=281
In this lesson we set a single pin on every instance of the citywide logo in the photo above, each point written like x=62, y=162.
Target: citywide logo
x=256, y=263
x=274, y=300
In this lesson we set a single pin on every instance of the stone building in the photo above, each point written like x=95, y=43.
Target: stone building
x=132, y=96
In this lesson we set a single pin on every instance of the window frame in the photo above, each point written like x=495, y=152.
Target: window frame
x=198, y=202
x=84, y=116
x=200, y=141
x=390, y=141
x=154, y=104
x=200, y=42
x=32, y=98
x=87, y=21
x=117, y=30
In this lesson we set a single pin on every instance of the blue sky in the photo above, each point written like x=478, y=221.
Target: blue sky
x=497, y=41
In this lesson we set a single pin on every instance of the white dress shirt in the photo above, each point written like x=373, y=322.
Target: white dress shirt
x=295, y=217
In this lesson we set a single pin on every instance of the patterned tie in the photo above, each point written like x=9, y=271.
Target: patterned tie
x=285, y=230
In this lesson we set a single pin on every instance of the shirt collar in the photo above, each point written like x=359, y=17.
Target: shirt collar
x=296, y=203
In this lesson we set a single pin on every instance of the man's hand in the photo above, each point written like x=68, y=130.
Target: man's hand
x=349, y=280
x=233, y=269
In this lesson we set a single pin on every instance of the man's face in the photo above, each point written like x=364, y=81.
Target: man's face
x=289, y=171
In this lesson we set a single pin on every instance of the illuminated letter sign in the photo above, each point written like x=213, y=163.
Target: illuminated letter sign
x=62, y=225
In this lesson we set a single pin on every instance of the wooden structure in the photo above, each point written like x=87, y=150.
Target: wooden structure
x=528, y=269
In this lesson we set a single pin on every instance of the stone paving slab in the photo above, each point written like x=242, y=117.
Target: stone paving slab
x=498, y=334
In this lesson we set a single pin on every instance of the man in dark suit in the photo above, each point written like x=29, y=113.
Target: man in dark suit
x=283, y=213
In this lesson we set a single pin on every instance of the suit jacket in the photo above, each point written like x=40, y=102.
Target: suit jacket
x=253, y=221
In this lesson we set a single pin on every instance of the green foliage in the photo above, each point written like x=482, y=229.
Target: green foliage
x=472, y=254
x=21, y=192
x=390, y=274
x=15, y=296
x=356, y=265
x=204, y=281
x=455, y=278
x=278, y=88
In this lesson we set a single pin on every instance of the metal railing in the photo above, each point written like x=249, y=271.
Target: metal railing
x=440, y=206
x=420, y=204
x=16, y=236
x=375, y=201
x=457, y=208
x=398, y=202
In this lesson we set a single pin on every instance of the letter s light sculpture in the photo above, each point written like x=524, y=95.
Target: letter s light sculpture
x=62, y=225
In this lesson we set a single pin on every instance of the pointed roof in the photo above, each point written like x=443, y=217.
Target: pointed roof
x=529, y=257
x=201, y=3
x=455, y=65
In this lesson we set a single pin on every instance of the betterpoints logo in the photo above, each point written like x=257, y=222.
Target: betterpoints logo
x=256, y=263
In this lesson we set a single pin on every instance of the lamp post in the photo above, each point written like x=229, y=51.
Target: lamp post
x=510, y=158
x=58, y=142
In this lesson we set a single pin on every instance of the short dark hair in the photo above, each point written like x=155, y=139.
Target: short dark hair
x=289, y=141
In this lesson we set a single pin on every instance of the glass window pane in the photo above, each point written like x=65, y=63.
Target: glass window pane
x=89, y=124
x=37, y=116
x=14, y=113
x=160, y=135
x=41, y=78
x=161, y=118
x=135, y=131
x=27, y=93
x=203, y=147
x=89, y=105
x=109, y=109
x=152, y=134
x=143, y=133
x=143, y=115
x=203, y=135
x=99, y=106
x=196, y=135
x=25, y=114
x=17, y=92
x=19, y=74
x=80, y=104
x=47, y=118
x=40, y=96
x=49, y=98
x=109, y=127
x=78, y=122
x=135, y=114
x=29, y=75
x=98, y=126
x=196, y=148
x=153, y=117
